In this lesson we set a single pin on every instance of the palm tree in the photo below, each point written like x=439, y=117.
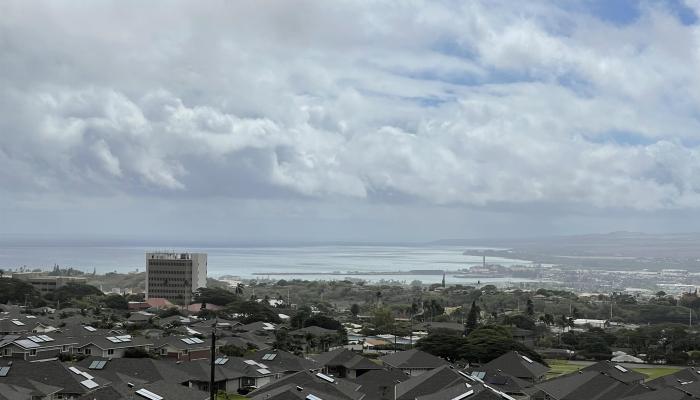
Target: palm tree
x=239, y=288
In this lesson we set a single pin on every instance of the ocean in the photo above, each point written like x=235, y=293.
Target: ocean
x=325, y=262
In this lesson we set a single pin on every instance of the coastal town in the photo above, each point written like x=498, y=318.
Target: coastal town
x=63, y=337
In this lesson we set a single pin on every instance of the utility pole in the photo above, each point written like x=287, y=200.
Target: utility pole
x=690, y=317
x=212, y=391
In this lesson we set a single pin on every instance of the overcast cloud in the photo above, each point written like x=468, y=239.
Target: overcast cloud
x=335, y=120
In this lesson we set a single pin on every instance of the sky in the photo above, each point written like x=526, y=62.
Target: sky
x=347, y=120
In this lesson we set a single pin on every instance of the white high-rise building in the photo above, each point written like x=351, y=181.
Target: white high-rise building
x=175, y=276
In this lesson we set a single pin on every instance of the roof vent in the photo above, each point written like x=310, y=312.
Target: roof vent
x=299, y=388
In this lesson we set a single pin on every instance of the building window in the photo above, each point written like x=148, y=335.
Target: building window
x=110, y=351
x=8, y=351
x=248, y=381
x=88, y=352
x=163, y=351
x=65, y=349
x=32, y=352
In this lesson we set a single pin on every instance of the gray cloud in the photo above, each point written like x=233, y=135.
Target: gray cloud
x=426, y=103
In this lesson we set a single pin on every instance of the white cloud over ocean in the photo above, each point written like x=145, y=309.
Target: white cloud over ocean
x=435, y=103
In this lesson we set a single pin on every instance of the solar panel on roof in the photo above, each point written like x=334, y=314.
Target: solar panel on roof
x=264, y=371
x=36, y=339
x=526, y=359
x=187, y=340
x=101, y=365
x=197, y=340
x=621, y=368
x=27, y=344
x=312, y=397
x=4, y=371
x=221, y=361
x=18, y=323
x=89, y=328
x=113, y=339
x=46, y=338
x=479, y=374
x=75, y=370
x=148, y=394
x=250, y=362
x=93, y=365
x=89, y=384
x=85, y=374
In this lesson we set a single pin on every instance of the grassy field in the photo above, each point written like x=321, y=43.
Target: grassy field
x=561, y=367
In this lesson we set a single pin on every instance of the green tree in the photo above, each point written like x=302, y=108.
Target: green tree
x=473, y=317
x=355, y=309
x=488, y=342
x=116, y=302
x=383, y=320
x=443, y=344
x=530, y=308
x=323, y=321
x=218, y=296
x=232, y=350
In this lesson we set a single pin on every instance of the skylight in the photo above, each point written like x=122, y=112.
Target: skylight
x=621, y=368
x=464, y=395
x=148, y=394
x=90, y=384
x=97, y=365
x=325, y=377
x=526, y=359
x=269, y=356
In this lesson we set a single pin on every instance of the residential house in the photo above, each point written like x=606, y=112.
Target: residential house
x=590, y=384
x=308, y=385
x=343, y=363
x=183, y=348
x=112, y=346
x=379, y=384
x=36, y=347
x=283, y=362
x=519, y=366
x=413, y=362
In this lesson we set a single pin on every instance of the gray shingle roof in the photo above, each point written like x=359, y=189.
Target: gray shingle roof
x=515, y=364
x=610, y=369
x=429, y=382
x=345, y=358
x=308, y=381
x=379, y=384
x=413, y=359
